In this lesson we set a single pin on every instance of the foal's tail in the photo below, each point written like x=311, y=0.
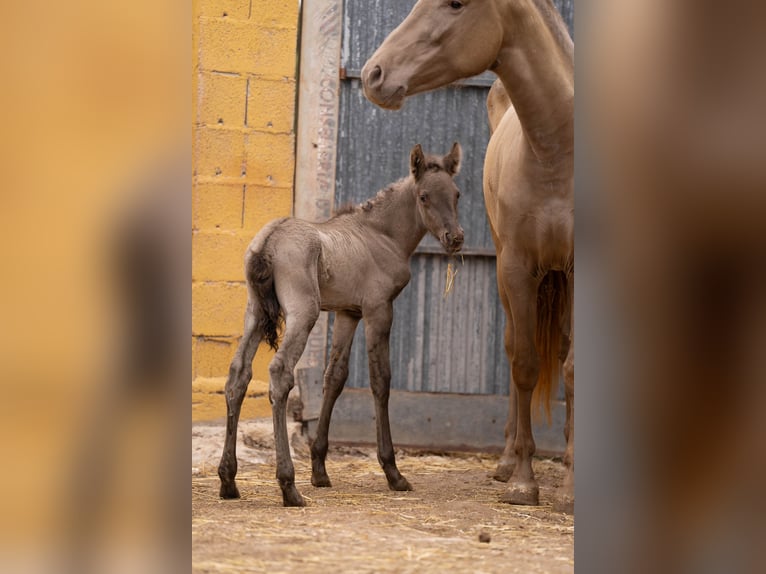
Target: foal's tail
x=552, y=304
x=260, y=278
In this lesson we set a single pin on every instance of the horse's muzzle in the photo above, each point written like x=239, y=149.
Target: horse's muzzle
x=378, y=92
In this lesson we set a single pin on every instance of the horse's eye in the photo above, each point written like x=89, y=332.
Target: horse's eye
x=423, y=198
x=458, y=195
x=455, y=5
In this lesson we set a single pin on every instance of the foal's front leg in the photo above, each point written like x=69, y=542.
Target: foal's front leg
x=377, y=330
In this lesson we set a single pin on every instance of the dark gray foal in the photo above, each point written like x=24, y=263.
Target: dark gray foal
x=355, y=264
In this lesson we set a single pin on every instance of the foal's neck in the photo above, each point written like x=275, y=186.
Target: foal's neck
x=536, y=66
x=394, y=213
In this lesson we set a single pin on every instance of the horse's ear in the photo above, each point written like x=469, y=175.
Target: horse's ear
x=452, y=159
x=417, y=162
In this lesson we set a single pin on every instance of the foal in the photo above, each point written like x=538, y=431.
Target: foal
x=355, y=264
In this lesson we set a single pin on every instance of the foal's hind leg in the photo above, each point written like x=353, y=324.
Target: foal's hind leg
x=334, y=379
x=301, y=312
x=240, y=373
x=377, y=330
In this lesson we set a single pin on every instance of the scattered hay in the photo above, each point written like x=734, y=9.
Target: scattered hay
x=452, y=521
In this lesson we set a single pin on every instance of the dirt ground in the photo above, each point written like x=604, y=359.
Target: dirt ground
x=359, y=525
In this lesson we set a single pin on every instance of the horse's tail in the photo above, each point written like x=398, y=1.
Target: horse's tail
x=552, y=301
x=259, y=272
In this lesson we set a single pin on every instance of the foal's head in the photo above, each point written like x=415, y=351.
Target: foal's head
x=437, y=194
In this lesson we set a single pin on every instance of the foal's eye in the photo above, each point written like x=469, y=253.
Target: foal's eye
x=457, y=196
x=423, y=198
x=455, y=5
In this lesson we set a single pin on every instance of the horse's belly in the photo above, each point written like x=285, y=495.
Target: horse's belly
x=550, y=238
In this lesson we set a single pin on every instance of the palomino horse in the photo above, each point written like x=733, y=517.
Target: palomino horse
x=354, y=264
x=528, y=182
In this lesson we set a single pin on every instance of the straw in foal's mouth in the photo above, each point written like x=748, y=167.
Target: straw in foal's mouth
x=451, y=274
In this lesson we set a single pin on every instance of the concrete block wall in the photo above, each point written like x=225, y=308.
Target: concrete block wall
x=244, y=72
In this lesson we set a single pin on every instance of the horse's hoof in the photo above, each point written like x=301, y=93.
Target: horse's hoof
x=291, y=496
x=321, y=480
x=563, y=500
x=503, y=472
x=229, y=491
x=400, y=484
x=523, y=493
x=564, y=504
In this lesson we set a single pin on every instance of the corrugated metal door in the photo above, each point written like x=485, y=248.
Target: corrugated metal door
x=438, y=345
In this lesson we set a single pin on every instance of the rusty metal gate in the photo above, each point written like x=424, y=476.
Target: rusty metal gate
x=450, y=376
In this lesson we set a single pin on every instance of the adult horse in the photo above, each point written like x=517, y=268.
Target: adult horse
x=528, y=184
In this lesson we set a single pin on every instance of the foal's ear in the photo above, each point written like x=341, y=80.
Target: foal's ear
x=417, y=162
x=452, y=160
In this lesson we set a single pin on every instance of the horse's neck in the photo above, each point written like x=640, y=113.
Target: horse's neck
x=396, y=216
x=536, y=67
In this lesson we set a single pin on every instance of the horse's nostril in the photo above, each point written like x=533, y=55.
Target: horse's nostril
x=375, y=76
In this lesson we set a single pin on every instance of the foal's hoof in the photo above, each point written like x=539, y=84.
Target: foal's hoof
x=400, y=484
x=291, y=496
x=229, y=490
x=523, y=493
x=321, y=480
x=503, y=471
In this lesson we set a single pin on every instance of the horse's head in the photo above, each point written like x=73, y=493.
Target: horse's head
x=439, y=42
x=437, y=194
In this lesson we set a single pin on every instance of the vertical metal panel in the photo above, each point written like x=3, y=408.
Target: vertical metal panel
x=437, y=345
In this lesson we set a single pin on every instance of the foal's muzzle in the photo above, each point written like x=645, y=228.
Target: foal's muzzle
x=452, y=242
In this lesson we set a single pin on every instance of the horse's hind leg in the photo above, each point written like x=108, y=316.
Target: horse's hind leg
x=565, y=495
x=240, y=373
x=377, y=330
x=334, y=379
x=301, y=308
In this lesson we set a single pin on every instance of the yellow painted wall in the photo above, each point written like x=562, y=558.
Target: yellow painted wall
x=244, y=72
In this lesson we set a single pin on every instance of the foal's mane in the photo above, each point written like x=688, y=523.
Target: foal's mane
x=380, y=198
x=433, y=163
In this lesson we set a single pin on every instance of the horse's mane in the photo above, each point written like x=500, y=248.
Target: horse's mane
x=555, y=23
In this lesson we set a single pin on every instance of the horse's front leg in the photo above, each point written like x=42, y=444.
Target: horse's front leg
x=507, y=461
x=525, y=368
x=334, y=379
x=377, y=330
